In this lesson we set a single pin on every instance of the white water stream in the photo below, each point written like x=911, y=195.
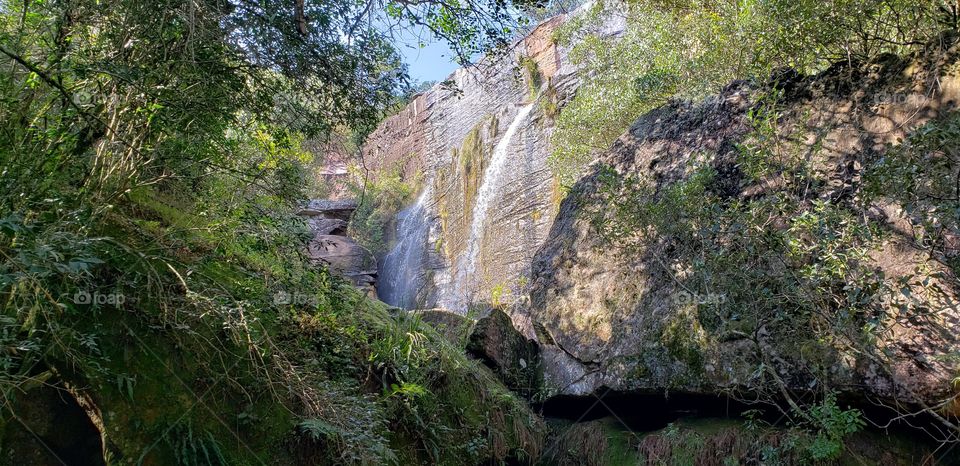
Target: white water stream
x=456, y=295
x=402, y=270
x=492, y=181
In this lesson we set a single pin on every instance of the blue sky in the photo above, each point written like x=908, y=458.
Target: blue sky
x=431, y=63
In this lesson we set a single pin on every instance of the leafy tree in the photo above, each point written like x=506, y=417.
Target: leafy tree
x=685, y=49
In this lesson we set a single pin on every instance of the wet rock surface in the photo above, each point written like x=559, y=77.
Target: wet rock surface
x=445, y=139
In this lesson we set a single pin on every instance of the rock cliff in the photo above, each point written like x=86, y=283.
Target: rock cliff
x=479, y=141
x=633, y=317
x=331, y=247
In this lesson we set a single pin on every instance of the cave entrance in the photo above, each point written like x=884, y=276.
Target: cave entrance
x=645, y=412
x=46, y=426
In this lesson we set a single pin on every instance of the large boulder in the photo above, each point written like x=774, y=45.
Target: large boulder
x=513, y=357
x=614, y=317
x=342, y=254
x=330, y=208
x=327, y=226
x=493, y=340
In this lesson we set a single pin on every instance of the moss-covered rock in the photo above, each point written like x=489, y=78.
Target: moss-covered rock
x=513, y=357
x=731, y=245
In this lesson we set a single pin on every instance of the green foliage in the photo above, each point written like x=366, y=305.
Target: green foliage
x=152, y=161
x=498, y=294
x=549, y=103
x=380, y=200
x=832, y=425
x=470, y=27
x=425, y=384
x=531, y=75
x=193, y=448
x=797, y=268
x=921, y=176
x=689, y=49
x=318, y=429
x=407, y=390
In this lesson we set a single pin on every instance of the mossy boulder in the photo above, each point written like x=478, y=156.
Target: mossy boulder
x=514, y=358
x=711, y=252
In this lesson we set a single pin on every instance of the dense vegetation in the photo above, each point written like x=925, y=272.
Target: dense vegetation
x=776, y=254
x=759, y=237
x=152, y=159
x=690, y=49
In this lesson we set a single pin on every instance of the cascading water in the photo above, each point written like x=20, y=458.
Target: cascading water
x=401, y=274
x=456, y=297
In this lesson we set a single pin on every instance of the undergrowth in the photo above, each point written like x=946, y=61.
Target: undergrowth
x=198, y=355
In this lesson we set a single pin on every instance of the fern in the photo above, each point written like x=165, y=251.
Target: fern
x=318, y=429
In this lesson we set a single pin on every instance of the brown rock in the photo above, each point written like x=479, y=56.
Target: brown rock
x=604, y=315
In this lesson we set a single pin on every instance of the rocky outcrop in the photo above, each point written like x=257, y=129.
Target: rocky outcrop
x=513, y=357
x=493, y=340
x=608, y=317
x=340, y=209
x=480, y=142
x=331, y=247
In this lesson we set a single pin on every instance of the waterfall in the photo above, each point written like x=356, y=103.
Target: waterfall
x=490, y=186
x=401, y=274
x=456, y=295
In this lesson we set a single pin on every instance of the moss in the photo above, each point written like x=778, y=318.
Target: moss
x=472, y=161
x=549, y=102
x=557, y=194
x=685, y=339
x=493, y=128
x=532, y=75
x=601, y=442
x=465, y=173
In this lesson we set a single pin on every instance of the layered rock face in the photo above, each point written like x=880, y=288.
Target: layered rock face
x=608, y=317
x=331, y=247
x=479, y=142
